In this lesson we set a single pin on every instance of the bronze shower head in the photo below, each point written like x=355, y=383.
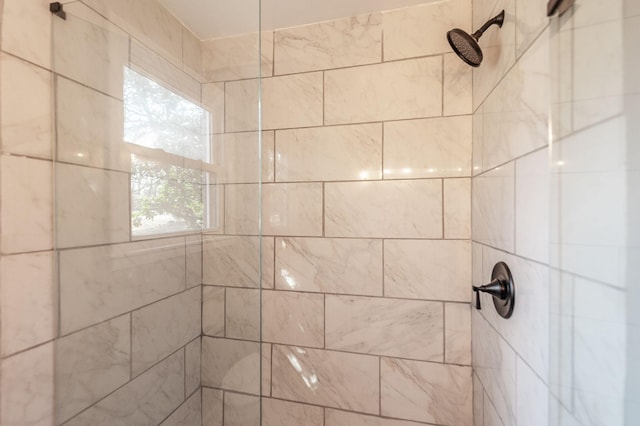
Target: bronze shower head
x=466, y=45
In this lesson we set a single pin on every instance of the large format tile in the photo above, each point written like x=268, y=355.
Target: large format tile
x=26, y=30
x=457, y=87
x=238, y=154
x=160, y=329
x=90, y=364
x=213, y=314
x=493, y=205
x=147, y=399
x=436, y=270
x=242, y=209
x=329, y=265
x=235, y=261
x=391, y=327
x=26, y=218
x=435, y=147
x=420, y=30
x=241, y=410
x=339, y=418
x=242, y=313
x=292, y=101
x=194, y=260
x=191, y=54
x=212, y=407
x=392, y=209
x=27, y=388
x=284, y=413
x=457, y=208
x=363, y=94
x=329, y=153
x=292, y=209
x=241, y=105
x=90, y=50
x=293, y=318
x=428, y=392
x=188, y=414
x=334, y=44
x=213, y=100
x=235, y=58
x=332, y=379
x=25, y=106
x=92, y=206
x=231, y=365
x=26, y=287
x=457, y=333
x=99, y=283
x=90, y=127
x=532, y=397
x=192, y=354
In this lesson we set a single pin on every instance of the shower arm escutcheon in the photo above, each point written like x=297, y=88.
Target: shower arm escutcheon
x=502, y=288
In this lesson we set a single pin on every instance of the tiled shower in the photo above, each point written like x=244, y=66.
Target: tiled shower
x=280, y=225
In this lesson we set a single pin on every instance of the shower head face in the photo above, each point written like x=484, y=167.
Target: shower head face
x=465, y=46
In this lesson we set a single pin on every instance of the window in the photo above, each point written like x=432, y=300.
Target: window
x=168, y=137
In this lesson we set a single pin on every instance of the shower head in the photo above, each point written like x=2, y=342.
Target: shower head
x=466, y=45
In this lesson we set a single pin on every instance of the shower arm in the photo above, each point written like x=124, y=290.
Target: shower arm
x=497, y=20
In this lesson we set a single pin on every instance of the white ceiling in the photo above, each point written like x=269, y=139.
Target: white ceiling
x=220, y=18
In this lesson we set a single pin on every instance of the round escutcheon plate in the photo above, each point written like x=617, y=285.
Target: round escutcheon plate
x=505, y=306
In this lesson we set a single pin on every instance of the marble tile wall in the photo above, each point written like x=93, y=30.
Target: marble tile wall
x=94, y=326
x=366, y=208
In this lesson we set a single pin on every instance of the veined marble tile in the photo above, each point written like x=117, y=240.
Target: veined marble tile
x=392, y=209
x=99, y=283
x=92, y=206
x=436, y=270
x=491, y=416
x=26, y=31
x=498, y=46
x=241, y=105
x=478, y=402
x=334, y=44
x=531, y=314
x=421, y=30
x=242, y=313
x=90, y=50
x=363, y=94
x=213, y=315
x=235, y=58
x=457, y=208
x=231, y=365
x=532, y=206
x=27, y=388
x=192, y=353
x=428, y=392
x=293, y=318
x=457, y=90
x=530, y=22
x=238, y=154
x=457, y=333
x=477, y=141
x=191, y=54
x=391, y=327
x=147, y=399
x=213, y=99
x=212, y=401
x=266, y=368
x=532, y=397
x=160, y=329
x=27, y=122
x=329, y=265
x=332, y=379
x=194, y=260
x=90, y=128
x=159, y=69
x=339, y=418
x=91, y=364
x=189, y=413
x=241, y=410
x=292, y=101
x=26, y=217
x=284, y=413
x=495, y=364
x=435, y=147
x=292, y=209
x=493, y=204
x=242, y=209
x=329, y=153
x=515, y=115
x=235, y=261
x=26, y=287
x=150, y=22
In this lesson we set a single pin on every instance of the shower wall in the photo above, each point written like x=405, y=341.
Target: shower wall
x=510, y=213
x=111, y=325
x=366, y=221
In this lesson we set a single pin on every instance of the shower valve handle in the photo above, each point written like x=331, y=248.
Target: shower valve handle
x=502, y=288
x=496, y=288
